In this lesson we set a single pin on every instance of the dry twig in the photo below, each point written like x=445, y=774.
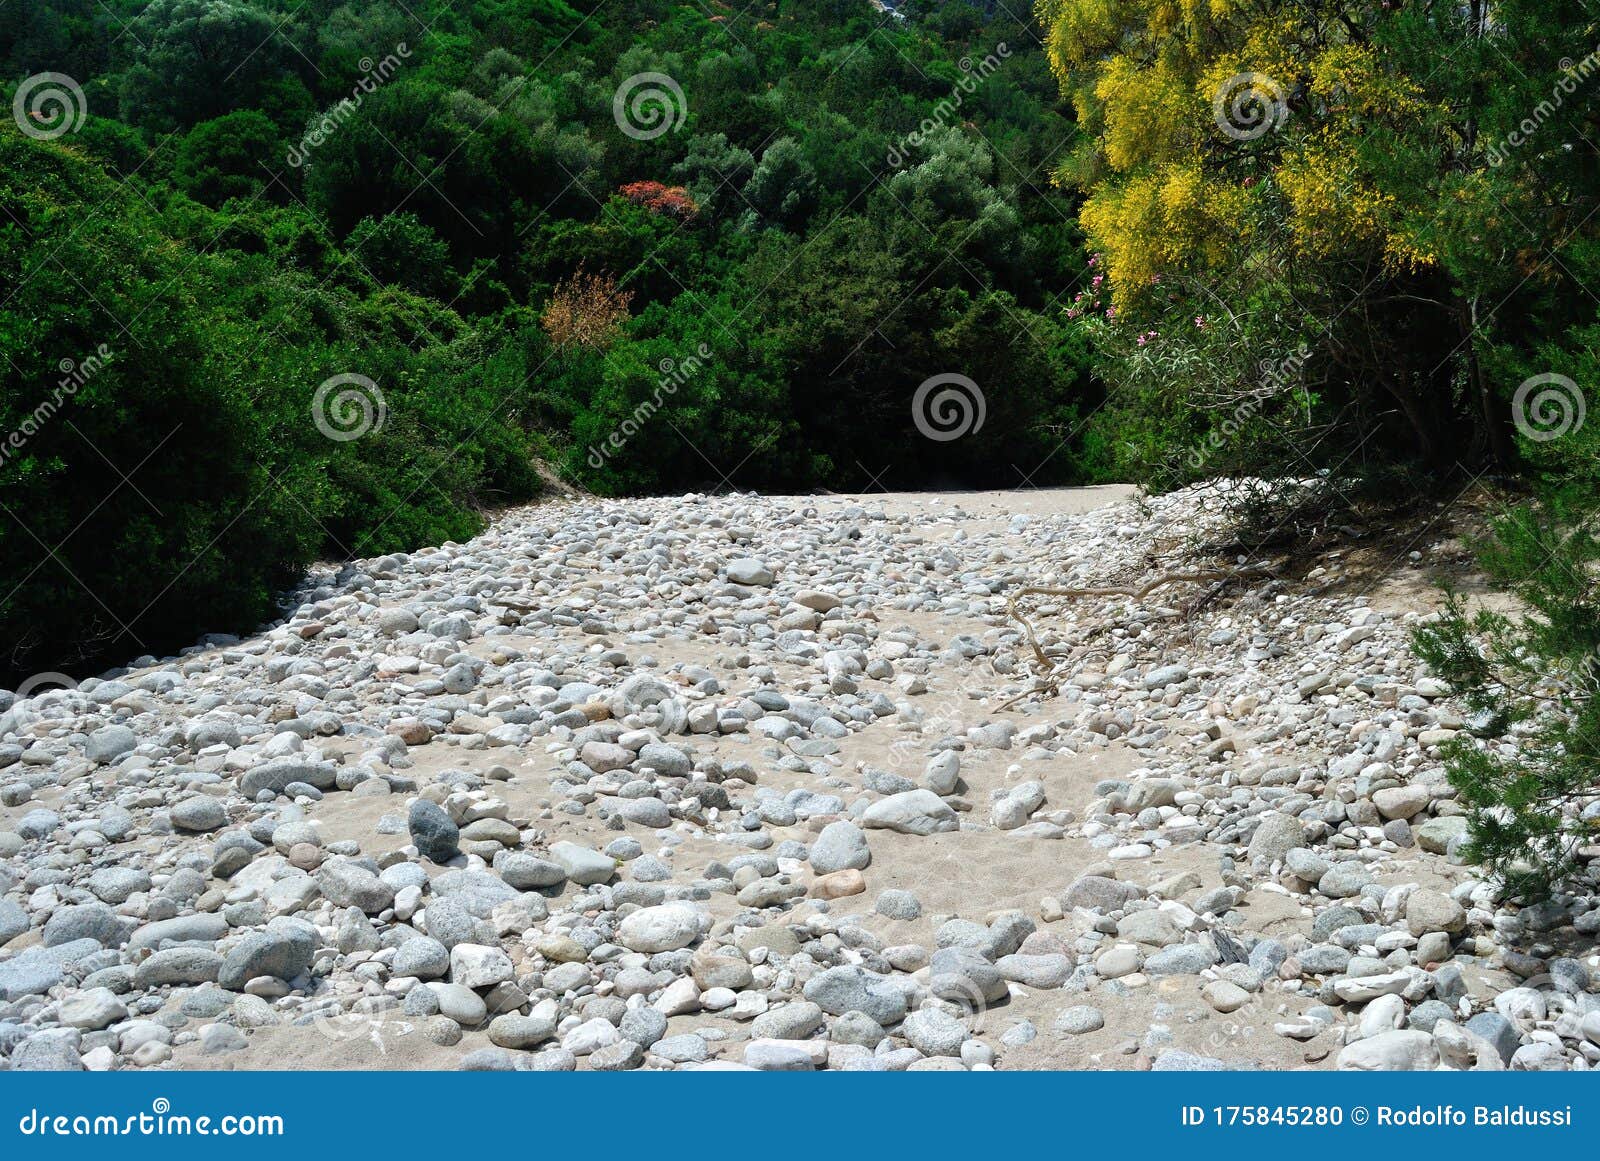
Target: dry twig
x=1050, y=679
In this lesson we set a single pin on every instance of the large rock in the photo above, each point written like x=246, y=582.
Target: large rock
x=52, y=1050
x=35, y=971
x=278, y=773
x=436, y=836
x=664, y=928
x=919, y=812
x=115, y=885
x=1433, y=911
x=174, y=966
x=480, y=892
x=1401, y=801
x=841, y=846
x=474, y=965
x=1498, y=1031
x=933, y=1032
x=603, y=757
x=202, y=927
x=1050, y=970
x=1079, y=1020
x=849, y=988
x=668, y=761
x=1401, y=1051
x=92, y=1009
x=943, y=773
x=527, y=873
x=109, y=743
x=1098, y=893
x=792, y=1021
x=711, y=970
x=1276, y=835
x=749, y=571
x=515, y=1031
x=423, y=957
x=13, y=920
x=583, y=866
x=963, y=976
x=198, y=814
x=1151, y=928
x=93, y=921
x=347, y=884
x=1436, y=834
x=284, y=950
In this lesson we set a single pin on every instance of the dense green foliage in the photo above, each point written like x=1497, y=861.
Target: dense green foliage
x=163, y=470
x=265, y=194
x=1409, y=189
x=1337, y=242
x=1536, y=674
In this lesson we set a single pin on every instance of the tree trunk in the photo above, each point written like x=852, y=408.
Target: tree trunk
x=1502, y=449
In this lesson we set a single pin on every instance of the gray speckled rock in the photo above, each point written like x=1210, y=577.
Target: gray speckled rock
x=13, y=920
x=1079, y=1020
x=422, y=957
x=437, y=838
x=583, y=865
x=93, y=921
x=198, y=814
x=841, y=846
x=279, y=773
x=283, y=950
x=108, y=744
x=848, y=988
x=919, y=812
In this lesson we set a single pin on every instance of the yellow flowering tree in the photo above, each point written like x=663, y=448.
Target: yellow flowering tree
x=1333, y=170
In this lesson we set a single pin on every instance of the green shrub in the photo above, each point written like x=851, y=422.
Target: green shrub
x=1530, y=766
x=163, y=473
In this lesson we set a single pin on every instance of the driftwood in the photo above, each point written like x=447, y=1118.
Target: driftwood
x=1050, y=680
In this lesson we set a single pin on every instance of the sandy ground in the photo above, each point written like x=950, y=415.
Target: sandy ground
x=958, y=874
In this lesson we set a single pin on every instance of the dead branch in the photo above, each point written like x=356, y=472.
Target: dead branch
x=1050, y=678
